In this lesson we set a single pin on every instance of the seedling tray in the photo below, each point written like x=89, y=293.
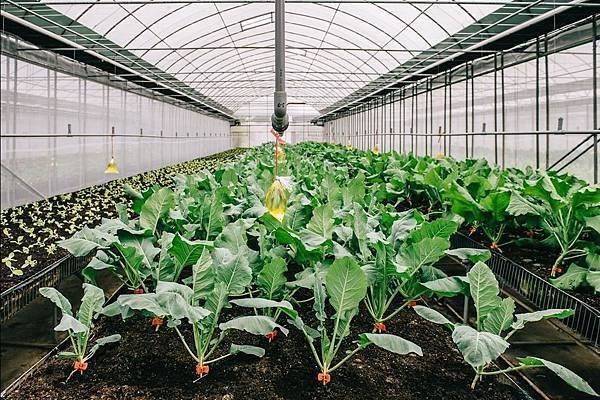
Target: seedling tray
x=539, y=292
x=20, y=295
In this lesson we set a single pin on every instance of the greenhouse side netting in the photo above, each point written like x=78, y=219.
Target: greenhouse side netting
x=62, y=122
x=532, y=105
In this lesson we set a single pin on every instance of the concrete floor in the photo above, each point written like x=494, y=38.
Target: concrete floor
x=29, y=335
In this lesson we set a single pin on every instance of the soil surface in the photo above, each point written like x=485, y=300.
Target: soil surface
x=60, y=216
x=154, y=365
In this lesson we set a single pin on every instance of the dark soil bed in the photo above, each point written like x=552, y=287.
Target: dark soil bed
x=149, y=365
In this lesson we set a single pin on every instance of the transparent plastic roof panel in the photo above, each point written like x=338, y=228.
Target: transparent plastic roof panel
x=225, y=50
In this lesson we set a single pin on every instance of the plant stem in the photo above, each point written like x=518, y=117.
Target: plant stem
x=217, y=359
x=336, y=366
x=186, y=345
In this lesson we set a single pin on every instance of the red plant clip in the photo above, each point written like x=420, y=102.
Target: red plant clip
x=271, y=335
x=472, y=230
x=138, y=291
x=80, y=366
x=380, y=327
x=324, y=377
x=494, y=246
x=412, y=303
x=529, y=233
x=202, y=370
x=157, y=322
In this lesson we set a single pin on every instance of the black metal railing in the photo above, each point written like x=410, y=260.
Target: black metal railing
x=15, y=298
x=539, y=292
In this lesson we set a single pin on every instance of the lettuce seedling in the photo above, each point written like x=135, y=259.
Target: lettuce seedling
x=79, y=326
x=495, y=323
x=346, y=287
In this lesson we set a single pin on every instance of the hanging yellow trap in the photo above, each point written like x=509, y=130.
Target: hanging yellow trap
x=280, y=155
x=375, y=150
x=276, y=199
x=440, y=156
x=111, y=167
x=349, y=146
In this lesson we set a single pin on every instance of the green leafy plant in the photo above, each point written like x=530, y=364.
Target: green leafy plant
x=79, y=326
x=495, y=323
x=563, y=210
x=345, y=287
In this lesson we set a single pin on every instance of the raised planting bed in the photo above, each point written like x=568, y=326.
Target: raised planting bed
x=29, y=232
x=537, y=290
x=153, y=365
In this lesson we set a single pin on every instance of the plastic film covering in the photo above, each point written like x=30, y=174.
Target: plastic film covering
x=57, y=131
x=498, y=108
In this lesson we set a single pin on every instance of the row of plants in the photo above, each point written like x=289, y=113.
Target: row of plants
x=526, y=208
x=265, y=235
x=30, y=232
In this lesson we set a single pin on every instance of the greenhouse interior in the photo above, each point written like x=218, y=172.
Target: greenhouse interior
x=300, y=199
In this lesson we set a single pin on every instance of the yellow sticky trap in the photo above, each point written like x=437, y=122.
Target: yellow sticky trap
x=440, y=156
x=276, y=199
x=112, y=168
x=349, y=146
x=375, y=150
x=280, y=155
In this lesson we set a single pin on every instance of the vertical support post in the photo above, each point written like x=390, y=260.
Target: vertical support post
x=472, y=108
x=450, y=113
x=496, y=108
x=431, y=116
x=595, y=92
x=426, y=116
x=537, y=102
x=445, y=107
x=279, y=119
x=503, y=110
x=466, y=110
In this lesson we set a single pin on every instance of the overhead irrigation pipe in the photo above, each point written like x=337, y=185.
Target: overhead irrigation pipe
x=279, y=119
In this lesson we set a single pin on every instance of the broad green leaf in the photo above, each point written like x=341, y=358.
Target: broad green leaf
x=565, y=374
x=463, y=203
x=86, y=240
x=67, y=323
x=271, y=279
x=572, y=279
x=254, y=324
x=233, y=270
x=203, y=276
x=101, y=342
x=433, y=316
x=321, y=222
x=496, y=203
x=320, y=295
x=425, y=252
x=187, y=252
x=132, y=261
x=155, y=207
x=446, y=287
x=346, y=285
x=143, y=245
x=523, y=319
x=520, y=206
x=392, y=343
x=500, y=318
x=258, y=302
x=440, y=228
x=91, y=304
x=402, y=227
x=469, y=254
x=58, y=299
x=246, y=349
x=593, y=222
x=593, y=279
x=478, y=348
x=484, y=289
x=233, y=238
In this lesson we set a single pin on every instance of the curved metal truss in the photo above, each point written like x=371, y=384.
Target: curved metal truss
x=222, y=51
